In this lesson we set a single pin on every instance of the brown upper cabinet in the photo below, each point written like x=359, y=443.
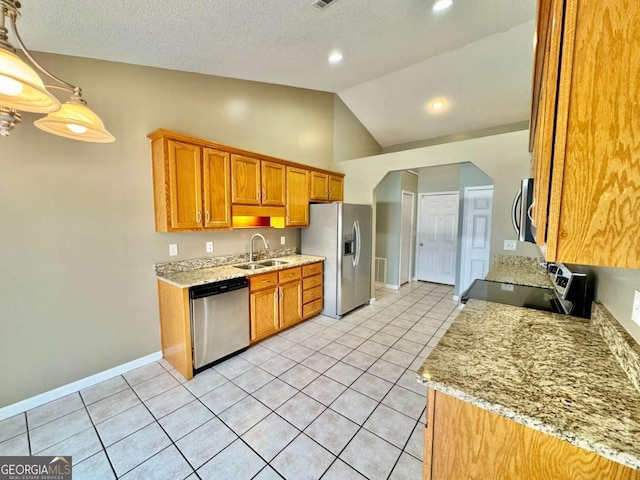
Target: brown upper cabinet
x=191, y=186
x=297, y=207
x=257, y=182
x=325, y=187
x=199, y=185
x=585, y=134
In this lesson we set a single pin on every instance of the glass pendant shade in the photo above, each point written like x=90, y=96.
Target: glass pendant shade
x=21, y=88
x=76, y=121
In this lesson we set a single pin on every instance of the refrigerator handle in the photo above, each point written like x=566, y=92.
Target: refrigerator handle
x=354, y=243
x=358, y=243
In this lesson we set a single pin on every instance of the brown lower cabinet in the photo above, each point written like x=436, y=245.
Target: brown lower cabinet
x=463, y=441
x=281, y=299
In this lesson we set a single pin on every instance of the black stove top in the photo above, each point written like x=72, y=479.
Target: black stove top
x=537, y=298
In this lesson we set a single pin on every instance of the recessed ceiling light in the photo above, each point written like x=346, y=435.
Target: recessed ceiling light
x=442, y=5
x=437, y=105
x=335, y=57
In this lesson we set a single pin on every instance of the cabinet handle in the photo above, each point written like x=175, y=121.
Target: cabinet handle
x=281, y=294
x=208, y=217
x=198, y=216
x=264, y=281
x=275, y=295
x=329, y=196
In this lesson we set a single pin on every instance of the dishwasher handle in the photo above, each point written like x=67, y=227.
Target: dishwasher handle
x=217, y=288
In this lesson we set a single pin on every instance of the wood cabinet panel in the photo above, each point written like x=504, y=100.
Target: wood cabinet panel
x=216, y=188
x=266, y=280
x=289, y=274
x=312, y=309
x=191, y=186
x=273, y=184
x=465, y=441
x=175, y=327
x=319, y=187
x=290, y=303
x=245, y=180
x=586, y=139
x=336, y=188
x=312, y=294
x=313, y=281
x=264, y=312
x=313, y=269
x=297, y=205
x=185, y=180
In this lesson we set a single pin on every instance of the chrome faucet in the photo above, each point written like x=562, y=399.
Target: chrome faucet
x=264, y=240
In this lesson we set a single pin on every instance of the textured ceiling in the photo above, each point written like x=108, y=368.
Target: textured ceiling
x=397, y=42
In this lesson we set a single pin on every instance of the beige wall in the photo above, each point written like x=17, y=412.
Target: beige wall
x=503, y=157
x=78, y=241
x=615, y=290
x=352, y=140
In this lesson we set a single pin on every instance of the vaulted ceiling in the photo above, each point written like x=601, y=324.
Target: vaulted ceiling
x=398, y=56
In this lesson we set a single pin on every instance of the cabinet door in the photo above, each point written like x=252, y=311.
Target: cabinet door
x=273, y=184
x=245, y=178
x=594, y=209
x=297, y=207
x=185, y=185
x=465, y=441
x=545, y=117
x=335, y=188
x=264, y=306
x=290, y=303
x=216, y=190
x=319, y=189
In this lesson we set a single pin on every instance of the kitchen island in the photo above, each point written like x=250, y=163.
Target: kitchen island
x=543, y=396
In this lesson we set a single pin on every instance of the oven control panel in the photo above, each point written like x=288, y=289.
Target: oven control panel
x=569, y=282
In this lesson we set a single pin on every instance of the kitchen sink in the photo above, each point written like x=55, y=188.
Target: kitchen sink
x=250, y=266
x=272, y=263
x=263, y=264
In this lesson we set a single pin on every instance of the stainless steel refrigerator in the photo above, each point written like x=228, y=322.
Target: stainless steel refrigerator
x=341, y=233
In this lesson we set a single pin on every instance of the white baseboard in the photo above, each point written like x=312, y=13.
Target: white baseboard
x=46, y=397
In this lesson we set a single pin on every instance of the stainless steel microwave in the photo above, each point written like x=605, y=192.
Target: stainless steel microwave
x=521, y=212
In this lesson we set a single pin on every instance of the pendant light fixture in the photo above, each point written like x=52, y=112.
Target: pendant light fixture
x=21, y=88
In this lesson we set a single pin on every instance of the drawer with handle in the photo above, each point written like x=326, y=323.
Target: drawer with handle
x=312, y=308
x=313, y=269
x=289, y=275
x=311, y=282
x=312, y=294
x=258, y=282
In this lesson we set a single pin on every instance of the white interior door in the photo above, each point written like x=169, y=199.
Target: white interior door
x=406, y=227
x=476, y=234
x=437, y=237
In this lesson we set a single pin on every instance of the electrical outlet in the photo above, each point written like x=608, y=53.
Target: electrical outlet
x=510, y=245
x=173, y=249
x=283, y=240
x=635, y=312
x=209, y=247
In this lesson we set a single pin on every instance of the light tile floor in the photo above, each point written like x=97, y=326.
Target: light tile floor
x=326, y=399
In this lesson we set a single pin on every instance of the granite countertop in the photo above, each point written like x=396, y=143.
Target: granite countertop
x=519, y=271
x=202, y=276
x=554, y=373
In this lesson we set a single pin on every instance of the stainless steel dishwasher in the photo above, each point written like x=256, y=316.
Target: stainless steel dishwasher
x=219, y=320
